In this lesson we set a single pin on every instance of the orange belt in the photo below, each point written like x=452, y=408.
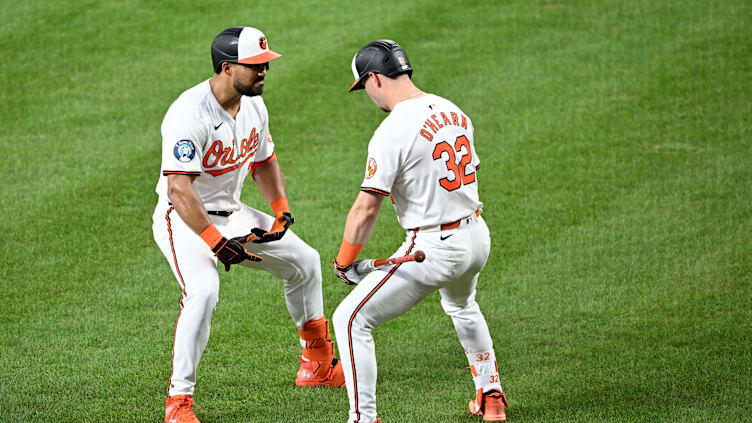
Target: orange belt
x=456, y=223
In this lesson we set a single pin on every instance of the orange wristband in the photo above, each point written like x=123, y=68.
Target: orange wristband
x=280, y=206
x=348, y=252
x=211, y=236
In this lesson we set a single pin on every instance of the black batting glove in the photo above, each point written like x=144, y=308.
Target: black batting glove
x=281, y=223
x=232, y=252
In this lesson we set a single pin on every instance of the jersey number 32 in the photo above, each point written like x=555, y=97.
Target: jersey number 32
x=459, y=170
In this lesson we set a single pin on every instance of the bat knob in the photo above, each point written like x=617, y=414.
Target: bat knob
x=420, y=256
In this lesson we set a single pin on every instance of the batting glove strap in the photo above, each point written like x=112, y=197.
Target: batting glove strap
x=348, y=274
x=319, y=350
x=245, y=239
x=280, y=226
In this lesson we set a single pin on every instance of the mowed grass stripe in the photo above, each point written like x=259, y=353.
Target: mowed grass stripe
x=614, y=140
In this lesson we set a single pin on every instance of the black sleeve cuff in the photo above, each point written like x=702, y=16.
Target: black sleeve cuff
x=375, y=191
x=179, y=172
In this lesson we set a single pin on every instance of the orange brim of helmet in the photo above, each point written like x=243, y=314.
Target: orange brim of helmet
x=264, y=57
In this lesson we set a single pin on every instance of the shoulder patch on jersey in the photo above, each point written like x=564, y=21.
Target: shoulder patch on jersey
x=184, y=150
x=371, y=168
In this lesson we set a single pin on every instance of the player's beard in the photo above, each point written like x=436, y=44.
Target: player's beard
x=251, y=89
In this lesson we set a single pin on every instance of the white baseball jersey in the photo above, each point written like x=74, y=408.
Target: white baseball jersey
x=200, y=138
x=423, y=155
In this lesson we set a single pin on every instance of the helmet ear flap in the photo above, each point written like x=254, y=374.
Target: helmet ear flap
x=224, y=48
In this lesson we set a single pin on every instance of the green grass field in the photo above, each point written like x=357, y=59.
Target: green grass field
x=615, y=140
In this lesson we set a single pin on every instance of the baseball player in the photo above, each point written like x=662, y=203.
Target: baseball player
x=423, y=157
x=213, y=136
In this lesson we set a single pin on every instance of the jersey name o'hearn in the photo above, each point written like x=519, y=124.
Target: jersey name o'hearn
x=434, y=124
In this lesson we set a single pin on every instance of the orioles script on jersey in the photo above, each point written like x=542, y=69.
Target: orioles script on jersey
x=434, y=123
x=220, y=155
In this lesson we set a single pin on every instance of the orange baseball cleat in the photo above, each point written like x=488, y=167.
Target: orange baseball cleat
x=179, y=409
x=489, y=405
x=307, y=375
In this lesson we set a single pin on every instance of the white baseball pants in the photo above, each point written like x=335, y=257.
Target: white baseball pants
x=195, y=268
x=451, y=266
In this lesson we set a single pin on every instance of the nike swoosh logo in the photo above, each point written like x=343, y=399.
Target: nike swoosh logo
x=445, y=237
x=217, y=127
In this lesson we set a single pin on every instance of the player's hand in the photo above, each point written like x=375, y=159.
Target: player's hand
x=364, y=267
x=232, y=251
x=281, y=223
x=348, y=274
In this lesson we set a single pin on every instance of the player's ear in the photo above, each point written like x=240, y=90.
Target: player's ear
x=227, y=68
x=375, y=77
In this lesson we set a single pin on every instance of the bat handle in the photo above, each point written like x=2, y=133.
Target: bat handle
x=418, y=256
x=384, y=262
x=393, y=260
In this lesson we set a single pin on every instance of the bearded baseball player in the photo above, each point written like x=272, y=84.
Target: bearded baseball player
x=213, y=136
x=423, y=157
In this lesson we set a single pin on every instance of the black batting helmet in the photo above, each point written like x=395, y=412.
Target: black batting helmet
x=385, y=57
x=241, y=44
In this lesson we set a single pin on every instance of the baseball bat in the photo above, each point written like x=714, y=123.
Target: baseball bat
x=418, y=256
x=366, y=266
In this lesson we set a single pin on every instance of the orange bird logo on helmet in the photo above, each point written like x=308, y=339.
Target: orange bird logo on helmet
x=262, y=43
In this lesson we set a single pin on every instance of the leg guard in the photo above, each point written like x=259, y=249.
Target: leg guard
x=319, y=346
x=319, y=368
x=484, y=369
